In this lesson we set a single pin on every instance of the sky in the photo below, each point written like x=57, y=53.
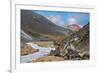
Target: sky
x=65, y=18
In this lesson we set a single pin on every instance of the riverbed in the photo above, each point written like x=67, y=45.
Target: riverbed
x=43, y=51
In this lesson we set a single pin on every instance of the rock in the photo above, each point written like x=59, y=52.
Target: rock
x=72, y=54
x=69, y=51
x=84, y=55
x=26, y=49
x=48, y=58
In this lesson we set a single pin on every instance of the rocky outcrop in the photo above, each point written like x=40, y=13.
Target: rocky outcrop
x=74, y=49
x=70, y=53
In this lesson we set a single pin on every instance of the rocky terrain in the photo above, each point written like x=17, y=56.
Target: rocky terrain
x=26, y=49
x=70, y=48
x=74, y=49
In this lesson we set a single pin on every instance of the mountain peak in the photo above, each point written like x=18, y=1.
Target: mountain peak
x=74, y=27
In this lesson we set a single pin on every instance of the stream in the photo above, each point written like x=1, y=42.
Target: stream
x=43, y=51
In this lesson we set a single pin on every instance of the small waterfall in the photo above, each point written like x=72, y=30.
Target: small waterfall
x=26, y=36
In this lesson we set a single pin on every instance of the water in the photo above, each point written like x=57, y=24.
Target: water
x=43, y=51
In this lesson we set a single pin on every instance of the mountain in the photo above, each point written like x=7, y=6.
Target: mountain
x=74, y=27
x=34, y=23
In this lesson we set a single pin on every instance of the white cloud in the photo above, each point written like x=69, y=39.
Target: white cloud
x=56, y=19
x=72, y=21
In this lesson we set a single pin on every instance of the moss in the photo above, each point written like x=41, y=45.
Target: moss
x=36, y=35
x=67, y=38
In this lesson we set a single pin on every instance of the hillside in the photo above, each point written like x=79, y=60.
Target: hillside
x=75, y=46
x=83, y=35
x=32, y=22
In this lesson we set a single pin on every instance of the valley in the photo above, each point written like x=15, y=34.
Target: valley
x=44, y=41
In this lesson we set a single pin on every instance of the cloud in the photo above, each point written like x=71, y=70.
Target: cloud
x=57, y=19
x=72, y=20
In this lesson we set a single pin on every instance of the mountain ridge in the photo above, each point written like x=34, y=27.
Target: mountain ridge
x=32, y=22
